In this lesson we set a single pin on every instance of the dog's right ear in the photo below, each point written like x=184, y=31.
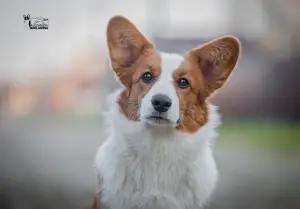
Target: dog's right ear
x=125, y=43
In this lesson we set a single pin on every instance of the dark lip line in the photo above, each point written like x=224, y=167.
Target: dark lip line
x=158, y=118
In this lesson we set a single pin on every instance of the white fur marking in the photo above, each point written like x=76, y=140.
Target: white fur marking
x=147, y=167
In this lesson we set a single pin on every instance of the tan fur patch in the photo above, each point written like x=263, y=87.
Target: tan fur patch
x=207, y=69
x=131, y=56
x=136, y=89
x=193, y=109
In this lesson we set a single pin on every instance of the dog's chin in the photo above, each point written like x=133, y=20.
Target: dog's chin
x=159, y=121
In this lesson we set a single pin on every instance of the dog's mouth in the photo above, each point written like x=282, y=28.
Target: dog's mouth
x=158, y=119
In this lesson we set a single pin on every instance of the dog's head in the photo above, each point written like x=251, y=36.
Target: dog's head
x=27, y=20
x=26, y=17
x=167, y=89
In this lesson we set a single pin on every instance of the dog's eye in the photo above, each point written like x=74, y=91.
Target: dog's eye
x=183, y=83
x=147, y=77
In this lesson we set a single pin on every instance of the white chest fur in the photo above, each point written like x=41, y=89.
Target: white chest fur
x=142, y=168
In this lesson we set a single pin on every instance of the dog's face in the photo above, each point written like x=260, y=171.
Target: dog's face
x=167, y=89
x=26, y=20
x=26, y=17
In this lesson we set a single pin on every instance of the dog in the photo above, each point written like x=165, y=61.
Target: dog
x=161, y=127
x=31, y=22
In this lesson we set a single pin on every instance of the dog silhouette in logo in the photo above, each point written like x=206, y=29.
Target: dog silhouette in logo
x=31, y=22
x=27, y=20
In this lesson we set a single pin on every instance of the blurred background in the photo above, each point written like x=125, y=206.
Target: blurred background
x=54, y=82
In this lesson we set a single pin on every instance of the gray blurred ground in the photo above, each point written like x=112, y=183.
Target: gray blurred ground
x=47, y=163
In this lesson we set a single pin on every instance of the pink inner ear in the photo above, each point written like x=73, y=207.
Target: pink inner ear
x=125, y=56
x=208, y=70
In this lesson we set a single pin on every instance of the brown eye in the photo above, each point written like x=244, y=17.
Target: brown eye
x=147, y=77
x=183, y=83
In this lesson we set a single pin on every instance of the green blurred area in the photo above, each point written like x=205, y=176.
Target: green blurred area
x=260, y=134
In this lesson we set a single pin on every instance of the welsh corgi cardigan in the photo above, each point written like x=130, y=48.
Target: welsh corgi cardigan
x=158, y=154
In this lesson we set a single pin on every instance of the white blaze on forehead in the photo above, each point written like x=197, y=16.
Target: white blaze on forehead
x=169, y=63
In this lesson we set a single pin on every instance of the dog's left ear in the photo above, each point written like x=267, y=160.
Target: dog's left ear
x=216, y=60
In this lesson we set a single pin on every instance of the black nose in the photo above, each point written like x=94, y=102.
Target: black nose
x=161, y=103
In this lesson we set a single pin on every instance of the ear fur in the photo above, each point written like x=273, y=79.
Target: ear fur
x=216, y=60
x=125, y=43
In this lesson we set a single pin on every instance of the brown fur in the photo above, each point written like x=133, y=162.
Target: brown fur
x=193, y=110
x=94, y=204
x=207, y=68
x=130, y=98
x=131, y=56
